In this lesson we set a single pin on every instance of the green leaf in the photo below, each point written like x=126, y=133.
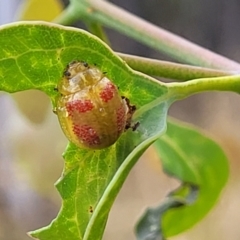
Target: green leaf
x=148, y=227
x=198, y=162
x=33, y=55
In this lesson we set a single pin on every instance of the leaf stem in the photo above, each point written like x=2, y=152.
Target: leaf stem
x=98, y=31
x=183, y=90
x=68, y=16
x=170, y=70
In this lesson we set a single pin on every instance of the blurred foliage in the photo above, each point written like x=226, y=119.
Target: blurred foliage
x=201, y=166
x=41, y=100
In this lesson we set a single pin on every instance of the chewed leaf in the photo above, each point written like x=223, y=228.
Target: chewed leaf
x=201, y=164
x=33, y=55
x=149, y=226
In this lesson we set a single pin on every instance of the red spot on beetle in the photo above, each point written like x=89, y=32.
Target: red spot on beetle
x=79, y=106
x=92, y=114
x=108, y=92
x=86, y=134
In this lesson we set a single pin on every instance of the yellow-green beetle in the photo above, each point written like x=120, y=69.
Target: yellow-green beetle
x=91, y=111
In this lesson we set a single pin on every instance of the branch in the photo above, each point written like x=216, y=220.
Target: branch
x=109, y=15
x=186, y=89
x=171, y=70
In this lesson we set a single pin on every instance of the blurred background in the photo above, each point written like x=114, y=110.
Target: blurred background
x=31, y=142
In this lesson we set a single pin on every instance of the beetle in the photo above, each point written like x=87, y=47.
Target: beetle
x=90, y=109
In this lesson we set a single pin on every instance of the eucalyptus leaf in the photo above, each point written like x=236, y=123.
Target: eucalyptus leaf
x=202, y=167
x=33, y=55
